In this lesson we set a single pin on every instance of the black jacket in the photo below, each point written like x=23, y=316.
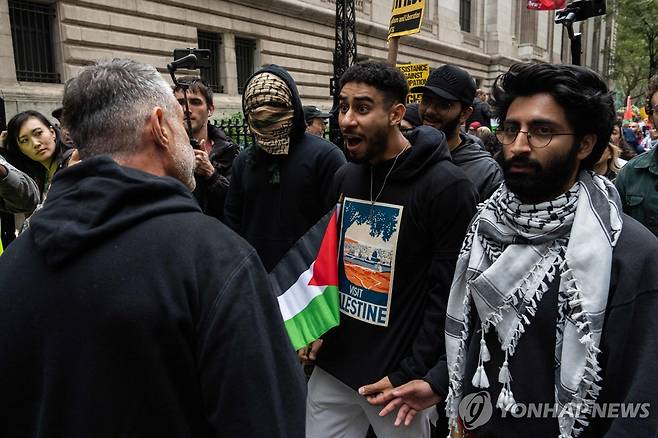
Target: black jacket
x=274, y=199
x=478, y=165
x=629, y=351
x=211, y=192
x=481, y=113
x=438, y=202
x=121, y=318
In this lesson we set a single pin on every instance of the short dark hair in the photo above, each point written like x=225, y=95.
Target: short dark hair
x=652, y=89
x=587, y=102
x=197, y=85
x=380, y=75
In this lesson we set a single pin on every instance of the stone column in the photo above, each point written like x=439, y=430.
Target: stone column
x=7, y=66
x=228, y=69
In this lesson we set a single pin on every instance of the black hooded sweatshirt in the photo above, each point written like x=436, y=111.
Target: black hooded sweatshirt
x=113, y=325
x=478, y=165
x=438, y=203
x=274, y=199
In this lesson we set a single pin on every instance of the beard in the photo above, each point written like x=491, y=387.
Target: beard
x=544, y=182
x=376, y=145
x=448, y=126
x=183, y=161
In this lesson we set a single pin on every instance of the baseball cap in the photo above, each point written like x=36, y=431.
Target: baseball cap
x=450, y=82
x=475, y=125
x=313, y=112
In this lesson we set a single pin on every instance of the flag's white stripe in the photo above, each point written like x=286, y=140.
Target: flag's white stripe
x=299, y=295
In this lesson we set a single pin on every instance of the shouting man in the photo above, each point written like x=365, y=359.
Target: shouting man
x=405, y=211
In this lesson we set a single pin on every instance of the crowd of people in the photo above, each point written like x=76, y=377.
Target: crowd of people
x=483, y=268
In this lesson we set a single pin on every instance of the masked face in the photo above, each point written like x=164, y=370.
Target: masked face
x=270, y=113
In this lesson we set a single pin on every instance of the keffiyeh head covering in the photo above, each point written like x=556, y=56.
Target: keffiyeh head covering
x=510, y=255
x=270, y=113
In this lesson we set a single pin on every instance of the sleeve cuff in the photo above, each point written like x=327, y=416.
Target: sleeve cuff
x=437, y=378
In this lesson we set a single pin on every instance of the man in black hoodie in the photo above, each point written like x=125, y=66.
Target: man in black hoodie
x=113, y=325
x=214, y=159
x=406, y=208
x=446, y=104
x=279, y=187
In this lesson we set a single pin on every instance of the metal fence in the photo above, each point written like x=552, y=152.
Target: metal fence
x=238, y=130
x=32, y=39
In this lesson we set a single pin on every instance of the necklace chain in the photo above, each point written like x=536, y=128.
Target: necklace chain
x=372, y=202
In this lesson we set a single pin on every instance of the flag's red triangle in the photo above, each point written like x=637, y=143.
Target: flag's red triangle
x=325, y=271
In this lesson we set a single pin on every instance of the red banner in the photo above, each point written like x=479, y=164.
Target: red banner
x=546, y=5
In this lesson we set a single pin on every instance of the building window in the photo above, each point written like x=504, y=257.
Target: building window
x=31, y=25
x=465, y=15
x=212, y=42
x=527, y=26
x=245, y=50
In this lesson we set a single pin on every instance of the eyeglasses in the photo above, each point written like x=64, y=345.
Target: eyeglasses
x=538, y=137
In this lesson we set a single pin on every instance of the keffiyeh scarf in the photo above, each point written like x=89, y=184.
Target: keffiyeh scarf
x=511, y=254
x=269, y=111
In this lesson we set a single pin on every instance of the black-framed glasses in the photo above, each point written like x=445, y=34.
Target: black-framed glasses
x=538, y=137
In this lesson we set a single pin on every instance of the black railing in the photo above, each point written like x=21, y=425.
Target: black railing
x=32, y=41
x=238, y=130
x=211, y=41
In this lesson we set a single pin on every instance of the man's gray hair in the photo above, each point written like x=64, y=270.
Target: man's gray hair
x=108, y=103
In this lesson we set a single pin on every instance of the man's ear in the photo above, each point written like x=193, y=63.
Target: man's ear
x=396, y=114
x=159, y=132
x=465, y=114
x=587, y=145
x=211, y=109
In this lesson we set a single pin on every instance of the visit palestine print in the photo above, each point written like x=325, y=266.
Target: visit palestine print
x=369, y=236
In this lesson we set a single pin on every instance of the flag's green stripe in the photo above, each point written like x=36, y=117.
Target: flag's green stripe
x=321, y=314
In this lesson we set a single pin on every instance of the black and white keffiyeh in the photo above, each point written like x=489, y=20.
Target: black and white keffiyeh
x=511, y=254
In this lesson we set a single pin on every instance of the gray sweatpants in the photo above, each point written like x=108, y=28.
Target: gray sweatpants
x=334, y=410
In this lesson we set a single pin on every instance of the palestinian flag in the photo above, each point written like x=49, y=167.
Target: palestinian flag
x=307, y=283
x=546, y=5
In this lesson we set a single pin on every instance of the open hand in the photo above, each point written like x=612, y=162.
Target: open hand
x=409, y=399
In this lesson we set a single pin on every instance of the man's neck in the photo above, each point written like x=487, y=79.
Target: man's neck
x=454, y=140
x=397, y=143
x=202, y=134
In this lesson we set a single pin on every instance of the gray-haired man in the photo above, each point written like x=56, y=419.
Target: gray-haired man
x=110, y=327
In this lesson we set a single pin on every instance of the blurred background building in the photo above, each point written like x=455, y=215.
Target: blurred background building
x=44, y=43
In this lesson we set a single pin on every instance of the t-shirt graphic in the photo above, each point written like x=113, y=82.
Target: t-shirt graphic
x=369, y=237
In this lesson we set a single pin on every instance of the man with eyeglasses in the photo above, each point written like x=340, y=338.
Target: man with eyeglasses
x=551, y=314
x=446, y=104
x=637, y=182
x=214, y=159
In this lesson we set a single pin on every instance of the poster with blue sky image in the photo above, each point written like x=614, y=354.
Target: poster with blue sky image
x=369, y=236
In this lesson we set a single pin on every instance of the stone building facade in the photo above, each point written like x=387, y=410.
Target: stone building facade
x=44, y=43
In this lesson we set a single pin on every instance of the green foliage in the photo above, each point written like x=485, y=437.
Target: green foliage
x=636, y=51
